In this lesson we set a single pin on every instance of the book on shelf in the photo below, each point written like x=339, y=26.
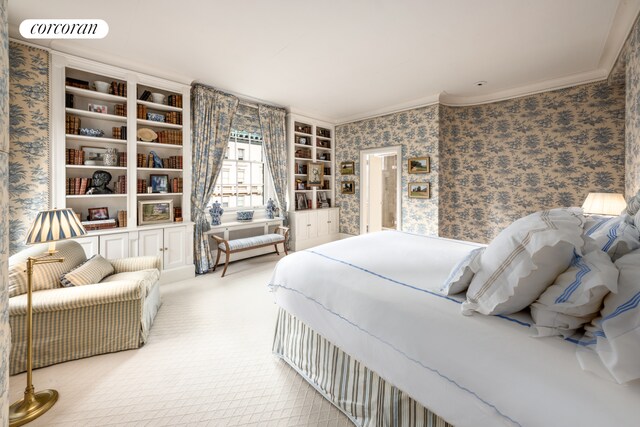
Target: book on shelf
x=122, y=219
x=173, y=137
x=142, y=111
x=68, y=100
x=82, y=84
x=176, y=185
x=74, y=157
x=174, y=100
x=174, y=117
x=146, y=95
x=172, y=162
x=141, y=186
x=120, y=110
x=72, y=124
x=177, y=213
x=120, y=186
x=119, y=89
x=77, y=186
x=122, y=159
x=102, y=224
x=141, y=160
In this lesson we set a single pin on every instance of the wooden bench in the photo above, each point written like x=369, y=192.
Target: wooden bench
x=239, y=245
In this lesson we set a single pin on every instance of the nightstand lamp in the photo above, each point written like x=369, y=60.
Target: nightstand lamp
x=606, y=204
x=49, y=226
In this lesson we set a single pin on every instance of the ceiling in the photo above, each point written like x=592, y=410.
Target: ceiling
x=342, y=60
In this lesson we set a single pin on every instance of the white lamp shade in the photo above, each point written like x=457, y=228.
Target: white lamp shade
x=53, y=225
x=611, y=204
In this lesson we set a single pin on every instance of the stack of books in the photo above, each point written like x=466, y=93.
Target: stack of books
x=122, y=159
x=174, y=100
x=176, y=185
x=122, y=218
x=142, y=186
x=77, y=186
x=72, y=125
x=172, y=162
x=142, y=111
x=119, y=132
x=173, y=137
x=101, y=224
x=119, y=89
x=120, y=110
x=120, y=186
x=174, y=117
x=74, y=157
x=82, y=84
x=142, y=160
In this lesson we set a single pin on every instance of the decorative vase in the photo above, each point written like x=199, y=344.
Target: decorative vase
x=270, y=209
x=110, y=157
x=216, y=212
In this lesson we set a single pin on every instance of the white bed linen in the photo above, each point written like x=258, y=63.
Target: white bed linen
x=370, y=296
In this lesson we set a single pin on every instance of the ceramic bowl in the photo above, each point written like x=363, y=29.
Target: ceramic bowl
x=91, y=132
x=155, y=117
x=102, y=87
x=158, y=98
x=244, y=215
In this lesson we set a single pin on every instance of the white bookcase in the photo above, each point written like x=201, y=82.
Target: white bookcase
x=172, y=241
x=315, y=222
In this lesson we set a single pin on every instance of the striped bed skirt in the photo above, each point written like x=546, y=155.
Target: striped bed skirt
x=360, y=393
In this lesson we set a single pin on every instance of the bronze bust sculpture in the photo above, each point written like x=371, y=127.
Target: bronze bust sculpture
x=99, y=182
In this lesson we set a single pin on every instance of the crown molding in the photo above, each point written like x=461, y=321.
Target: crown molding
x=397, y=108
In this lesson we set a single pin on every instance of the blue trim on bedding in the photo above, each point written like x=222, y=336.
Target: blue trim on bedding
x=612, y=235
x=629, y=305
x=597, y=225
x=434, y=370
x=583, y=270
x=407, y=285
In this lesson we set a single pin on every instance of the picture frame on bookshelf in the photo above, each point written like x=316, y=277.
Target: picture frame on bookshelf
x=155, y=212
x=159, y=183
x=347, y=187
x=301, y=201
x=347, y=168
x=315, y=174
x=93, y=156
x=97, y=108
x=97, y=214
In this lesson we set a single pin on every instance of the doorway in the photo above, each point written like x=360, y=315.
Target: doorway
x=380, y=189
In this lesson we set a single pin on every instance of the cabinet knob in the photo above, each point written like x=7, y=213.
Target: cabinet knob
x=161, y=249
x=328, y=222
x=308, y=225
x=166, y=249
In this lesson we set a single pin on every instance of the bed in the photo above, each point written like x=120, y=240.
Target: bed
x=362, y=320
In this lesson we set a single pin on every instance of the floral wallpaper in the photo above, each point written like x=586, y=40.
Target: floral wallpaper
x=632, y=62
x=29, y=139
x=417, y=131
x=5, y=330
x=504, y=160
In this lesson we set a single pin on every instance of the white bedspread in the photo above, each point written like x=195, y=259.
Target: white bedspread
x=374, y=296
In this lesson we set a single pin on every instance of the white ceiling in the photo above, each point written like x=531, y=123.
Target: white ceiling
x=342, y=60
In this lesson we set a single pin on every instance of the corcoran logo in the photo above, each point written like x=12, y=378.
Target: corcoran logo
x=64, y=29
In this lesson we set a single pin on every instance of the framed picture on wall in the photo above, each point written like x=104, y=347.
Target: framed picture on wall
x=419, y=190
x=419, y=165
x=347, y=168
x=315, y=173
x=347, y=187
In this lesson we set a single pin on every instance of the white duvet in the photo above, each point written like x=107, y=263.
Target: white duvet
x=375, y=296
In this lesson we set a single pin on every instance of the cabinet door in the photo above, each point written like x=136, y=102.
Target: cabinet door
x=113, y=246
x=312, y=224
x=323, y=222
x=301, y=228
x=150, y=242
x=334, y=221
x=89, y=244
x=175, y=253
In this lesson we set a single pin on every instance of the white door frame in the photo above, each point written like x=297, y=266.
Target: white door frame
x=364, y=181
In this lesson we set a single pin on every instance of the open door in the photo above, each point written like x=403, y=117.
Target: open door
x=380, y=189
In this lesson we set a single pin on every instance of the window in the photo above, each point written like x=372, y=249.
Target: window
x=244, y=179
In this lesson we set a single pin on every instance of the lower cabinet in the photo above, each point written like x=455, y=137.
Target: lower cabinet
x=114, y=246
x=314, y=227
x=167, y=243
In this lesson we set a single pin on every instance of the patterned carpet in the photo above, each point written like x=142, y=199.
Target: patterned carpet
x=208, y=362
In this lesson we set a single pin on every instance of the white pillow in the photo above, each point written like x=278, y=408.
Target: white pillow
x=90, y=272
x=576, y=295
x=612, y=341
x=523, y=260
x=617, y=236
x=461, y=275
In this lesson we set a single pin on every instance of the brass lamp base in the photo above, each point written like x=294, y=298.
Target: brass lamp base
x=31, y=407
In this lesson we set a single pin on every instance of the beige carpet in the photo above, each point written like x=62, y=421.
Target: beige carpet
x=208, y=362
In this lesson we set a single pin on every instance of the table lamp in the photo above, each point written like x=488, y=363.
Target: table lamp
x=607, y=204
x=49, y=226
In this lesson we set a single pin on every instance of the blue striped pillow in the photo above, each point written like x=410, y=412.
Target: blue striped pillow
x=616, y=236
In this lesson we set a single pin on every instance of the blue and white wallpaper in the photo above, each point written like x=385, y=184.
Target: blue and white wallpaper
x=632, y=63
x=29, y=139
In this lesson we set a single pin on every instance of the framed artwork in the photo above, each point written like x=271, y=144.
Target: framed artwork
x=347, y=168
x=419, y=165
x=419, y=190
x=301, y=201
x=315, y=173
x=97, y=108
x=155, y=212
x=97, y=214
x=93, y=155
x=159, y=183
x=347, y=187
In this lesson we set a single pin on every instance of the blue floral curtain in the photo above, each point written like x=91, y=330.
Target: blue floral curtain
x=246, y=120
x=212, y=114
x=272, y=124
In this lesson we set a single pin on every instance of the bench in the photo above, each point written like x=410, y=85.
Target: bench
x=238, y=245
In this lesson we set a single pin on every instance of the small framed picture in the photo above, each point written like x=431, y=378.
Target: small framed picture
x=419, y=165
x=97, y=108
x=301, y=201
x=419, y=190
x=97, y=214
x=159, y=183
x=94, y=155
x=315, y=173
x=155, y=212
x=347, y=187
x=347, y=168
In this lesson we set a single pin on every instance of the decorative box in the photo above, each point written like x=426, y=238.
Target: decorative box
x=155, y=117
x=244, y=215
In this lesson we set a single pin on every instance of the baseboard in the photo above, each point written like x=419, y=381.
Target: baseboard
x=178, y=274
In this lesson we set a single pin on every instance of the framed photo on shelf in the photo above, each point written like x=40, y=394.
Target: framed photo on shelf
x=97, y=214
x=418, y=165
x=301, y=201
x=347, y=168
x=155, y=212
x=419, y=190
x=93, y=156
x=159, y=183
x=315, y=173
x=97, y=108
x=347, y=187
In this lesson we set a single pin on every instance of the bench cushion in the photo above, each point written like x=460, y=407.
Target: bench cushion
x=249, y=242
